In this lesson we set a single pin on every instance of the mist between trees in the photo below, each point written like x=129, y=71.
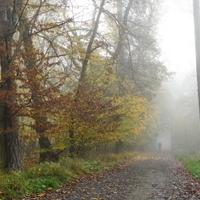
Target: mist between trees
x=77, y=78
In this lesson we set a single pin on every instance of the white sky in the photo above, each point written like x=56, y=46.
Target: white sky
x=176, y=35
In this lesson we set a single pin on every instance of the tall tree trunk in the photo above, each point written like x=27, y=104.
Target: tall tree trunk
x=46, y=153
x=88, y=52
x=122, y=27
x=197, y=42
x=89, y=47
x=10, y=139
x=119, y=55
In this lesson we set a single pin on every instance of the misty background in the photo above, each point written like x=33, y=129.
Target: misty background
x=177, y=100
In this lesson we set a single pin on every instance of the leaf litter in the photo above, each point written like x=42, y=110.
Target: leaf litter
x=155, y=176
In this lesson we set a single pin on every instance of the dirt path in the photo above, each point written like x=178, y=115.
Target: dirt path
x=149, y=176
x=154, y=178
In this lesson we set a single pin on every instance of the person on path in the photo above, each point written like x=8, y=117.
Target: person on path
x=159, y=146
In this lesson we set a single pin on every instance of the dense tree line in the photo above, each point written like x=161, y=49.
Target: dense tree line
x=76, y=76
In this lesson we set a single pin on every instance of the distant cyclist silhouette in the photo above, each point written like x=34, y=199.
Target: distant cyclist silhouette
x=159, y=146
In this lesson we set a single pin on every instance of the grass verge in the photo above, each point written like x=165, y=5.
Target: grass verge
x=50, y=176
x=192, y=162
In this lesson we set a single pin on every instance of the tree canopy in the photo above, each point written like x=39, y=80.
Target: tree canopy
x=77, y=76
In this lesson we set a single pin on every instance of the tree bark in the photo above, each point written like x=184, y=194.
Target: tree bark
x=72, y=148
x=46, y=151
x=197, y=42
x=10, y=139
x=123, y=26
x=89, y=47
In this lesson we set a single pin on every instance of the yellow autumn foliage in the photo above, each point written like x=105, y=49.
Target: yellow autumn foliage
x=99, y=119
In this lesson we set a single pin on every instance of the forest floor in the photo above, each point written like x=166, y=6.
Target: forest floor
x=156, y=176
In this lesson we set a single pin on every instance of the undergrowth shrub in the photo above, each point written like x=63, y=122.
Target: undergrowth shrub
x=49, y=175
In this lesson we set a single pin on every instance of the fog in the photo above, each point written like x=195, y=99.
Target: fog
x=177, y=100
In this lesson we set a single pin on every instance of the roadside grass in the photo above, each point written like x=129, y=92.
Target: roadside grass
x=192, y=162
x=50, y=176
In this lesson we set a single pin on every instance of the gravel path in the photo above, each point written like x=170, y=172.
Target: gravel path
x=149, y=176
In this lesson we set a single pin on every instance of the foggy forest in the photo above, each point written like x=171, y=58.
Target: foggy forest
x=87, y=80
